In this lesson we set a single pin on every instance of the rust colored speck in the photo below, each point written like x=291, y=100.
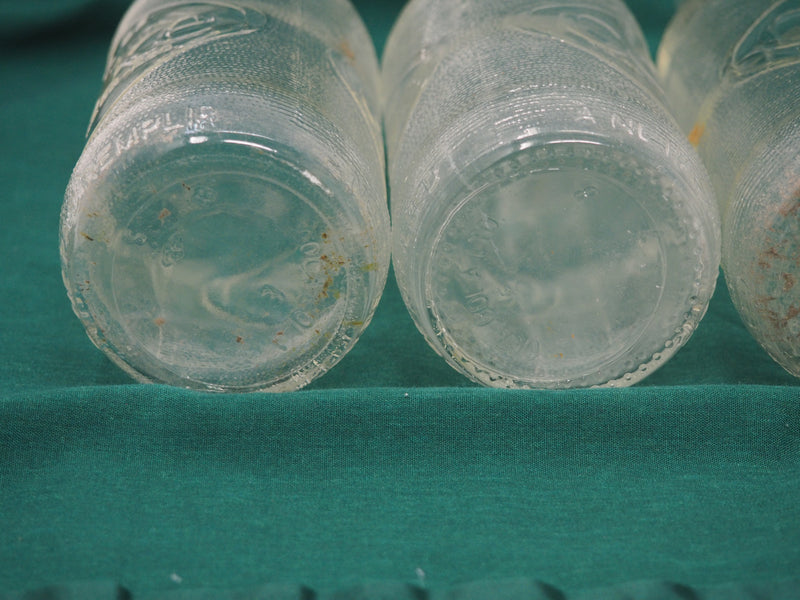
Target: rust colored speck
x=790, y=208
x=773, y=318
x=696, y=134
x=239, y=339
x=347, y=51
x=792, y=312
x=159, y=321
x=87, y=236
x=767, y=256
x=788, y=281
x=326, y=286
x=165, y=212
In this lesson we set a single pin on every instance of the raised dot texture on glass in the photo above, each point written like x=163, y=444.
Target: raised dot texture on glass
x=552, y=227
x=226, y=226
x=731, y=69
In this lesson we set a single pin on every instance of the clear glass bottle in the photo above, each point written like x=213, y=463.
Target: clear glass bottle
x=731, y=69
x=226, y=226
x=552, y=227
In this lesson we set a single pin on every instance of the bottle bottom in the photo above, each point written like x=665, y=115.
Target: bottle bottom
x=761, y=252
x=222, y=266
x=567, y=264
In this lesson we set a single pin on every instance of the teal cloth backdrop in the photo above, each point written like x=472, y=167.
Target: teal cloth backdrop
x=391, y=476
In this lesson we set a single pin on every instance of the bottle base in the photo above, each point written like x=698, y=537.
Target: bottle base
x=566, y=264
x=761, y=251
x=221, y=266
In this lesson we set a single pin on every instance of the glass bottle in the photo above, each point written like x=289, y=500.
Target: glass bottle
x=731, y=69
x=226, y=226
x=552, y=227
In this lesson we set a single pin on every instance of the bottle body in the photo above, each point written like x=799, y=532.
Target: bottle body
x=739, y=105
x=225, y=227
x=551, y=226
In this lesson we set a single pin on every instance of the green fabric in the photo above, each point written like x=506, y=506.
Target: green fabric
x=158, y=488
x=390, y=468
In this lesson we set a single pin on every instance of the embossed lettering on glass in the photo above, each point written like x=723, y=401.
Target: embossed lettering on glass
x=552, y=227
x=226, y=226
x=741, y=105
